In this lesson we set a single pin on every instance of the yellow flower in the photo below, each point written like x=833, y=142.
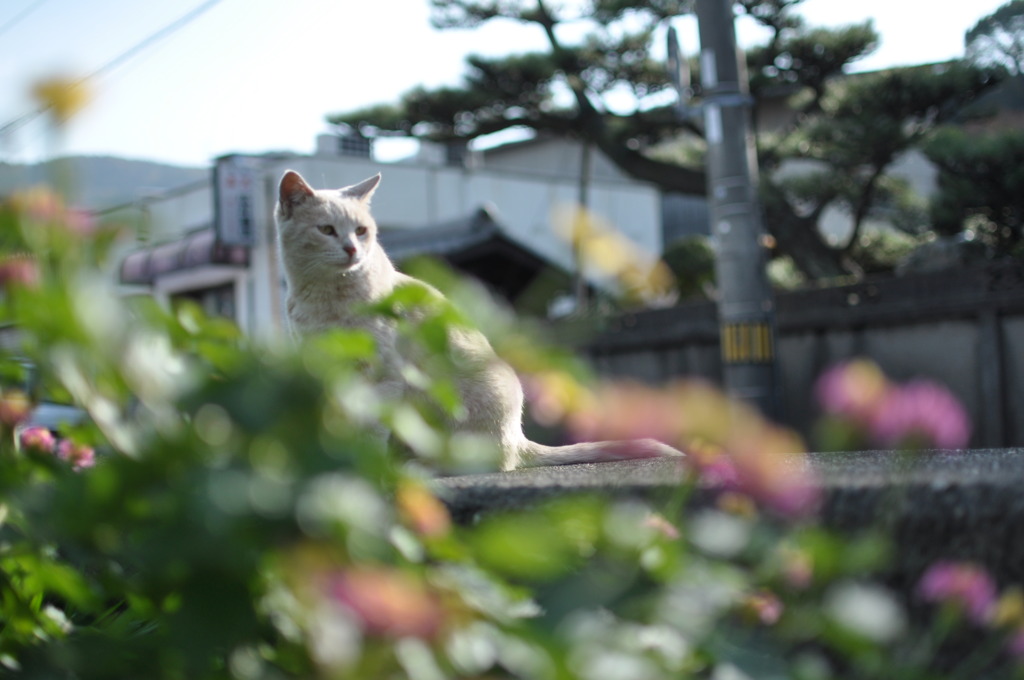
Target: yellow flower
x=737, y=504
x=603, y=249
x=62, y=95
x=554, y=394
x=15, y=407
x=1010, y=608
x=421, y=510
x=38, y=204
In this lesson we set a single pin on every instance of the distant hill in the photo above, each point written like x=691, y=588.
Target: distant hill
x=101, y=181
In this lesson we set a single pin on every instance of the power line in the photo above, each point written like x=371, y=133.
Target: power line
x=16, y=19
x=167, y=30
x=159, y=35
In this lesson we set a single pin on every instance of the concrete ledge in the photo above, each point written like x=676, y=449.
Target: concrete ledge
x=470, y=495
x=965, y=505
x=936, y=505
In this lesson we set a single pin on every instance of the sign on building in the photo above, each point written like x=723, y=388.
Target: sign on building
x=235, y=182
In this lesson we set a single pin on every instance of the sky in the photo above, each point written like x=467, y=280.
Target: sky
x=252, y=76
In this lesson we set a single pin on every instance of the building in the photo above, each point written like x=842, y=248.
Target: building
x=213, y=241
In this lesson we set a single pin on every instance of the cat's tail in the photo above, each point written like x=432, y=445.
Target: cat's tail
x=532, y=454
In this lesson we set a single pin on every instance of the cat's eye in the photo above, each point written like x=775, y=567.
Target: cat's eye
x=361, y=231
x=326, y=229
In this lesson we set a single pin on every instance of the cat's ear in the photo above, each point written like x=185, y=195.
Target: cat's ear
x=362, y=191
x=293, y=191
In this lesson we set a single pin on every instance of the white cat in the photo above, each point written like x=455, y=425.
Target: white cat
x=334, y=267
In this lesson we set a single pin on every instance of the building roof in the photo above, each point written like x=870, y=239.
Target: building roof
x=482, y=247
x=445, y=238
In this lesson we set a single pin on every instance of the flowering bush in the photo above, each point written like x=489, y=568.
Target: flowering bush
x=225, y=510
x=966, y=586
x=864, y=408
x=38, y=439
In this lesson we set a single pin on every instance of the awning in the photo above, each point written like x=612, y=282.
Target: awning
x=197, y=249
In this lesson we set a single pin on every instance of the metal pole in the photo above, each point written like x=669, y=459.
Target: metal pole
x=746, y=309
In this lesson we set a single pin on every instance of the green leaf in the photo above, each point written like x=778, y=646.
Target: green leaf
x=523, y=547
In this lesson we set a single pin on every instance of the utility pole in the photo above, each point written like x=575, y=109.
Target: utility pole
x=579, y=229
x=746, y=308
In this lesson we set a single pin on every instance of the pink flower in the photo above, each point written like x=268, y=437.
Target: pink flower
x=716, y=470
x=770, y=468
x=965, y=585
x=388, y=602
x=918, y=413
x=662, y=526
x=15, y=407
x=763, y=607
x=39, y=204
x=762, y=462
x=797, y=568
x=921, y=410
x=19, y=271
x=628, y=411
x=80, y=221
x=852, y=390
x=44, y=207
x=38, y=439
x=79, y=455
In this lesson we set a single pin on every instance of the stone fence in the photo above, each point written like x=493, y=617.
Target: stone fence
x=935, y=505
x=962, y=328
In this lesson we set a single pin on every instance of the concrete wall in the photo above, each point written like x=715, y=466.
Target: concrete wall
x=1011, y=332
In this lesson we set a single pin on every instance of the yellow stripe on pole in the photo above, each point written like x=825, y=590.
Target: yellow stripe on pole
x=744, y=343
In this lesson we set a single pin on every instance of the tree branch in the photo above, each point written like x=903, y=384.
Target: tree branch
x=863, y=205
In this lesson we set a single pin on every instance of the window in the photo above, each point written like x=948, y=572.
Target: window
x=355, y=145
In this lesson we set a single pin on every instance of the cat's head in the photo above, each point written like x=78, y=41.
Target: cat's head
x=330, y=229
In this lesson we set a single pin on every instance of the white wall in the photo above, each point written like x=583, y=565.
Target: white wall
x=412, y=196
x=550, y=158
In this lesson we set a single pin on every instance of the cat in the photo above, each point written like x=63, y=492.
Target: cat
x=335, y=267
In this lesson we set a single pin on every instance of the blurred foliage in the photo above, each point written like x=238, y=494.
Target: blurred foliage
x=692, y=262
x=784, y=274
x=246, y=516
x=998, y=38
x=882, y=250
x=980, y=176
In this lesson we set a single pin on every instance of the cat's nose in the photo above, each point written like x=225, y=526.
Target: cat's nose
x=350, y=250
